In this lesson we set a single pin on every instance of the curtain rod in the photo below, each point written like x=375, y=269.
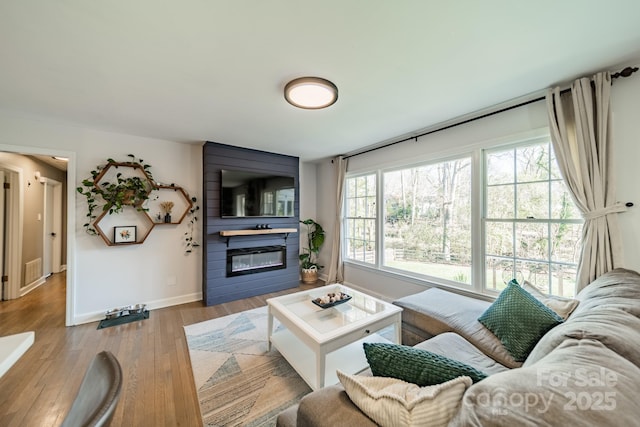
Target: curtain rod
x=623, y=73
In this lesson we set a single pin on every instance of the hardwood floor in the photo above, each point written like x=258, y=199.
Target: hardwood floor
x=158, y=387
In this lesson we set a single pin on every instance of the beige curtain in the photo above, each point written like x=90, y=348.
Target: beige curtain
x=336, y=266
x=580, y=134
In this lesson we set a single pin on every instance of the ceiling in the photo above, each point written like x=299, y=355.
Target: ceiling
x=56, y=162
x=210, y=70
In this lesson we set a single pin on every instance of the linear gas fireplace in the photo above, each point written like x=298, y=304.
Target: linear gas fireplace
x=256, y=260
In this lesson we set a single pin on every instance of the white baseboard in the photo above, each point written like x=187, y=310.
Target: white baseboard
x=323, y=277
x=31, y=286
x=151, y=305
x=169, y=302
x=368, y=292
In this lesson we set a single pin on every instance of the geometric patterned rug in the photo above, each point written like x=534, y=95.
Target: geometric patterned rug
x=239, y=382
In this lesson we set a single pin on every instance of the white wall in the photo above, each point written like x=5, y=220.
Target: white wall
x=104, y=277
x=307, y=195
x=520, y=121
x=308, y=198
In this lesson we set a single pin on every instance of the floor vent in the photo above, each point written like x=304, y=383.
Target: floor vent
x=32, y=270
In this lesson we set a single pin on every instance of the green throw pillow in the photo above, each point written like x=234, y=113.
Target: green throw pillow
x=519, y=320
x=414, y=365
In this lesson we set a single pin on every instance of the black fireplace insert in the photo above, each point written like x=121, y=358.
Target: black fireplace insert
x=256, y=260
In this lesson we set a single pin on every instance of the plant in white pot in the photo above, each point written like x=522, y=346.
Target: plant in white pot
x=309, y=256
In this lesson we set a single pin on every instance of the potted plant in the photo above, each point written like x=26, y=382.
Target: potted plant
x=124, y=190
x=308, y=258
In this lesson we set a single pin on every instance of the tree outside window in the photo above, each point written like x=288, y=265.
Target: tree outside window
x=532, y=227
x=360, y=219
x=427, y=226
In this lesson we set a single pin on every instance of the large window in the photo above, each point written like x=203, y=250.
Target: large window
x=474, y=221
x=532, y=228
x=427, y=224
x=360, y=219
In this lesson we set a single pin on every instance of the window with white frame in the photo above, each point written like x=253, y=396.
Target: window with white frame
x=360, y=218
x=532, y=228
x=427, y=223
x=525, y=226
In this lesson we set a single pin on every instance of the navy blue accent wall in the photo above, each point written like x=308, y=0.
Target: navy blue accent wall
x=216, y=287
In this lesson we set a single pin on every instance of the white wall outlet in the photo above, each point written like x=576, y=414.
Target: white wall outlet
x=172, y=281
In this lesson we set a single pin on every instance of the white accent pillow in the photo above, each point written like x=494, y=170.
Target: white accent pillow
x=393, y=402
x=561, y=305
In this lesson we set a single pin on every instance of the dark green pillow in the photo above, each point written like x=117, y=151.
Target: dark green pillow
x=519, y=320
x=414, y=365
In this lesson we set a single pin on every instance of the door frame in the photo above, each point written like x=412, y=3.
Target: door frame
x=14, y=229
x=55, y=257
x=70, y=315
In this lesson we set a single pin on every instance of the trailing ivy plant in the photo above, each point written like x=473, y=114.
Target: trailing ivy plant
x=193, y=218
x=114, y=196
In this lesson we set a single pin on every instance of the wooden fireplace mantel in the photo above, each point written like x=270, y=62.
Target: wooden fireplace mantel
x=250, y=232
x=229, y=233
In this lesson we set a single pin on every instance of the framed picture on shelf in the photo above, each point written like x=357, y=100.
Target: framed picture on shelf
x=124, y=234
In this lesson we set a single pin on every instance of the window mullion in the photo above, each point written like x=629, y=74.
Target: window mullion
x=478, y=225
x=515, y=210
x=550, y=270
x=379, y=261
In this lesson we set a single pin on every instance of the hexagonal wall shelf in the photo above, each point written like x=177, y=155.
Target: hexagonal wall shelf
x=136, y=220
x=131, y=220
x=168, y=193
x=112, y=169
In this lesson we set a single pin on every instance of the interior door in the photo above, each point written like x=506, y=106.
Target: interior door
x=49, y=234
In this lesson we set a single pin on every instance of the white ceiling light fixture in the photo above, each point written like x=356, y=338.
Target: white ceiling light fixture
x=311, y=93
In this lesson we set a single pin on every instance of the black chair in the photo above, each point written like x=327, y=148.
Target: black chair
x=98, y=394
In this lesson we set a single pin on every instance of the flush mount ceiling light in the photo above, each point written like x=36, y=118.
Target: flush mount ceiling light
x=311, y=93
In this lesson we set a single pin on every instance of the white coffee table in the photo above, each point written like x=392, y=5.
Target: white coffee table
x=317, y=341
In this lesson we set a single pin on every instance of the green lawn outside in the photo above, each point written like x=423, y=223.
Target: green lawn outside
x=462, y=274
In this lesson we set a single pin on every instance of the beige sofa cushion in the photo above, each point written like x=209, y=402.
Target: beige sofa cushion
x=581, y=382
x=562, y=306
x=454, y=346
x=618, y=288
x=395, y=403
x=288, y=417
x=609, y=312
x=329, y=406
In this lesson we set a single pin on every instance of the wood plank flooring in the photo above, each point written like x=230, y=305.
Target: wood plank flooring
x=158, y=387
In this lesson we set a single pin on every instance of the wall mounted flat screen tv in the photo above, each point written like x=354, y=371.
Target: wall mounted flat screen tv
x=253, y=194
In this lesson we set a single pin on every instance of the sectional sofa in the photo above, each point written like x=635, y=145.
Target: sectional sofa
x=583, y=371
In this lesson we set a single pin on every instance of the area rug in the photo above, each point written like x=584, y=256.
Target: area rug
x=239, y=382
